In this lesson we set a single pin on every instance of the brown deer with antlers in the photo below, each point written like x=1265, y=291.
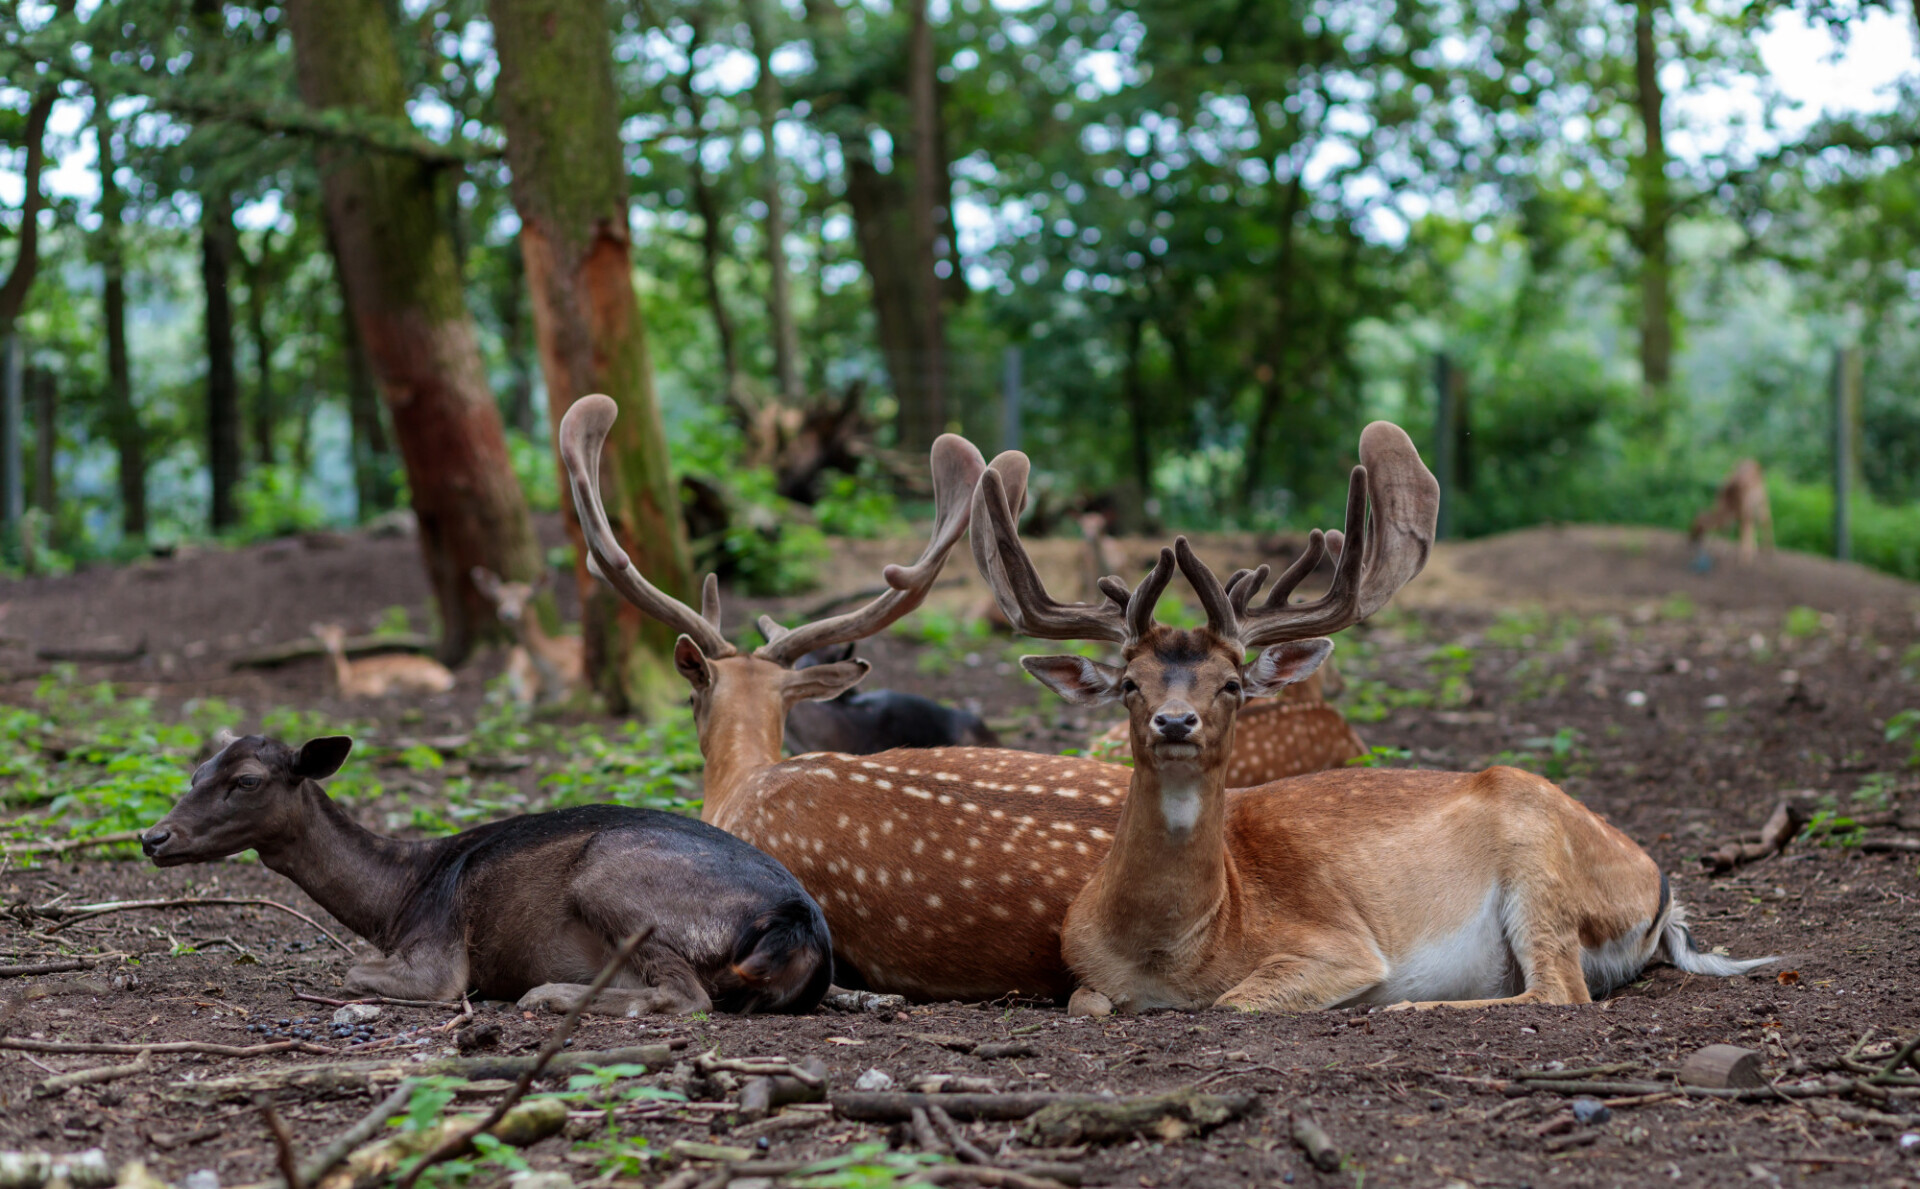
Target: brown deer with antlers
x=944, y=872
x=1742, y=499
x=1367, y=886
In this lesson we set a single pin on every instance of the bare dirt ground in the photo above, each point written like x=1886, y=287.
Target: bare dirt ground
x=1682, y=705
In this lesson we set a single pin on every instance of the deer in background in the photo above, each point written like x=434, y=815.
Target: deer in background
x=1743, y=499
x=380, y=676
x=529, y=908
x=864, y=721
x=944, y=873
x=540, y=668
x=1362, y=886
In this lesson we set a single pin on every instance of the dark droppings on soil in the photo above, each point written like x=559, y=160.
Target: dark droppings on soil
x=1683, y=722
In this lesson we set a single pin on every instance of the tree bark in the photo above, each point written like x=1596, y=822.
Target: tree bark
x=712, y=240
x=396, y=261
x=766, y=101
x=1136, y=396
x=223, y=382
x=926, y=419
x=1273, y=392
x=558, y=103
x=123, y=419
x=43, y=392
x=1656, y=210
x=513, y=329
x=258, y=269
x=26, y=258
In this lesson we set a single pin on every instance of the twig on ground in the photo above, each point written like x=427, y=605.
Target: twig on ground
x=65, y=845
x=1900, y=1058
x=1320, y=1149
x=923, y=1133
x=282, y=1145
x=59, y=1084
x=962, y=1147
x=326, y=1159
x=1788, y=818
x=304, y=997
x=61, y=967
x=709, y=1062
x=1885, y=846
x=457, y=1143
x=169, y=1046
x=72, y=914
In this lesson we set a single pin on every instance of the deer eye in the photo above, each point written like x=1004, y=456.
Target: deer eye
x=248, y=782
x=1231, y=687
x=1128, y=686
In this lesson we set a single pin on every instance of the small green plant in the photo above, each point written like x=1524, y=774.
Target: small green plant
x=1803, y=623
x=1452, y=666
x=393, y=621
x=1910, y=663
x=421, y=758
x=1829, y=827
x=1555, y=756
x=1906, y=726
x=1380, y=756
x=866, y=1166
x=1876, y=791
x=1678, y=607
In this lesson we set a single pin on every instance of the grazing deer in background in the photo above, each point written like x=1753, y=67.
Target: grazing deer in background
x=1742, y=498
x=540, y=668
x=944, y=873
x=530, y=908
x=1352, y=887
x=381, y=676
x=864, y=721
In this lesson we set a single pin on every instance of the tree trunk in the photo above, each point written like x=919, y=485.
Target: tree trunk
x=223, y=382
x=257, y=271
x=43, y=392
x=123, y=419
x=926, y=418
x=513, y=329
x=712, y=239
x=559, y=105
x=1656, y=209
x=26, y=258
x=1273, y=391
x=1136, y=396
x=396, y=260
x=766, y=101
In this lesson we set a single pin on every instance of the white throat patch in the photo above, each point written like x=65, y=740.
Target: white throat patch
x=1180, y=798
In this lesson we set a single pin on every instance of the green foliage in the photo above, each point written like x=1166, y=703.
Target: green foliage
x=1803, y=623
x=865, y=1166
x=1381, y=756
x=274, y=501
x=646, y=765
x=1906, y=726
x=534, y=466
x=1556, y=756
x=1451, y=665
x=859, y=506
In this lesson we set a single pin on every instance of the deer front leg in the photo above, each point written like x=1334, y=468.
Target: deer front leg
x=1336, y=972
x=672, y=989
x=421, y=973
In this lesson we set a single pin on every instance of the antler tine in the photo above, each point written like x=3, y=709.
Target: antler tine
x=956, y=467
x=1295, y=574
x=1147, y=595
x=1206, y=584
x=1010, y=575
x=1243, y=586
x=1393, y=503
x=583, y=432
x=1116, y=589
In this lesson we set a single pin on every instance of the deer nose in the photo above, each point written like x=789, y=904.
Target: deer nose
x=1175, y=725
x=153, y=840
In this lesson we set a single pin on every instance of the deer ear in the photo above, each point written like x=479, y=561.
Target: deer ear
x=320, y=758
x=821, y=682
x=1284, y=664
x=692, y=663
x=1077, y=679
x=486, y=582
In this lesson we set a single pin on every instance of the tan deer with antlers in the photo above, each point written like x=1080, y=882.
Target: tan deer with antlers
x=1362, y=886
x=945, y=872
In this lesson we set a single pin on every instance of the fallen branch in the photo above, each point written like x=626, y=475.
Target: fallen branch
x=169, y=1046
x=375, y=1165
x=1788, y=819
x=93, y=656
x=282, y=1145
x=1888, y=846
x=962, y=1147
x=70, y=844
x=66, y=914
x=304, y=997
x=460, y=1140
x=1308, y=1136
x=891, y=1106
x=59, y=1084
x=1905, y=1055
x=359, y=1077
x=710, y=1062
x=1167, y=1117
x=326, y=1159
x=63, y=966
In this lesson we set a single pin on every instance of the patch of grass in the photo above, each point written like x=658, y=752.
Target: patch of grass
x=1906, y=726
x=1451, y=665
x=1803, y=623
x=1381, y=756
x=1678, y=607
x=1556, y=756
x=646, y=765
x=1876, y=791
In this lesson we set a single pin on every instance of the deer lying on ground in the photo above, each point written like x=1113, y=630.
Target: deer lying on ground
x=530, y=908
x=944, y=873
x=1361, y=886
x=540, y=668
x=864, y=721
x=1742, y=498
x=381, y=676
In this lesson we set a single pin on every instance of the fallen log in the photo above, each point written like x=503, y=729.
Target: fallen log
x=358, y=1077
x=374, y=1165
x=892, y=1106
x=1788, y=819
x=1172, y=1116
x=275, y=655
x=60, y=1083
x=63, y=966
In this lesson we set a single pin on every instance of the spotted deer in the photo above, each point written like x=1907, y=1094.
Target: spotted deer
x=380, y=676
x=526, y=908
x=1743, y=499
x=1364, y=886
x=540, y=668
x=944, y=873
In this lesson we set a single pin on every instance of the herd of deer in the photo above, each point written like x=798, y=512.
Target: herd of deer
x=976, y=872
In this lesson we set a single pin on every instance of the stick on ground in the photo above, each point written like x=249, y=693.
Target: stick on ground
x=282, y=1145
x=69, y=914
x=59, y=1084
x=61, y=967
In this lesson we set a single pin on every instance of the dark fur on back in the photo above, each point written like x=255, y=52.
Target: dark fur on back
x=866, y=722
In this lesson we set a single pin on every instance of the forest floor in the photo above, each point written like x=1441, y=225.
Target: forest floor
x=1683, y=705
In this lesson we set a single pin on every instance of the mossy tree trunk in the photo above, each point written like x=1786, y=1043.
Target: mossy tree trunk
x=395, y=252
x=217, y=246
x=123, y=418
x=1656, y=212
x=558, y=103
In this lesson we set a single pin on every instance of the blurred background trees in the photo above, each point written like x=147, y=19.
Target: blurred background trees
x=276, y=266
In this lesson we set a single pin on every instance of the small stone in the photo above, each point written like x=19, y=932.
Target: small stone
x=1590, y=1111
x=1910, y=1141
x=203, y=1178
x=874, y=1079
x=356, y=1013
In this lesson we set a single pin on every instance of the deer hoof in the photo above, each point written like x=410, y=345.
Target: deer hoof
x=1088, y=1002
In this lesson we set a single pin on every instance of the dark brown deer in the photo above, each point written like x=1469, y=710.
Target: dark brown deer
x=864, y=721
x=530, y=908
x=945, y=872
x=1351, y=887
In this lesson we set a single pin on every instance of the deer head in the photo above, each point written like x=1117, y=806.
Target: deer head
x=741, y=699
x=510, y=599
x=1183, y=688
x=249, y=796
